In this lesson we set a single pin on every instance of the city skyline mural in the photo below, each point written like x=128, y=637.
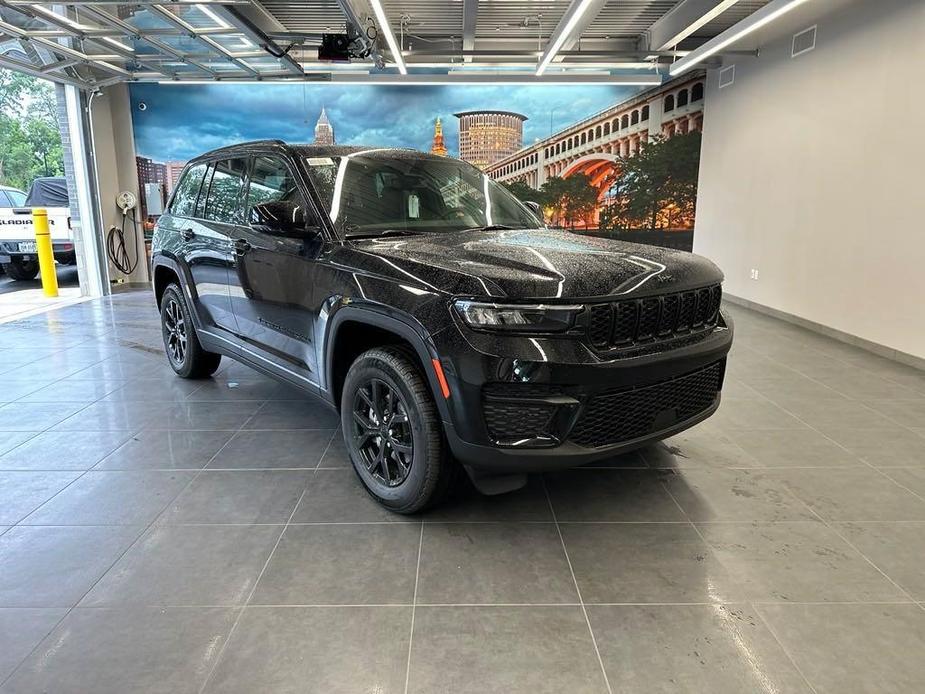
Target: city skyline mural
x=394, y=116
x=599, y=159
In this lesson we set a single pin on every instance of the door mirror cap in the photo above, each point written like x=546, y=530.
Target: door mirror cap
x=282, y=218
x=535, y=208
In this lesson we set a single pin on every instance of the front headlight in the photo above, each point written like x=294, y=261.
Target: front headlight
x=517, y=318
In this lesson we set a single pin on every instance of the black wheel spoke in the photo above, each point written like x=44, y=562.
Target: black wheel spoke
x=381, y=432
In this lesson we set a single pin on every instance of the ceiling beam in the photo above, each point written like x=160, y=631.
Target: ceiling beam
x=207, y=41
x=131, y=32
x=30, y=69
x=256, y=35
x=470, y=20
x=576, y=19
x=757, y=19
x=683, y=20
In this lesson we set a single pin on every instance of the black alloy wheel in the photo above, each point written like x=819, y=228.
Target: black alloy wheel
x=382, y=433
x=393, y=431
x=184, y=352
x=175, y=335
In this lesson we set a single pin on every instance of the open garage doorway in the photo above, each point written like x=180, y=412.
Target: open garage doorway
x=36, y=172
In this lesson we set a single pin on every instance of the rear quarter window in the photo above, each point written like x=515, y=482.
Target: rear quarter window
x=184, y=200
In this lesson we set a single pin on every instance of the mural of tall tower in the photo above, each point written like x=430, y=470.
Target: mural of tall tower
x=489, y=136
x=438, y=147
x=324, y=131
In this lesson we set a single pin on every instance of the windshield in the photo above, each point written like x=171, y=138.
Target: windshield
x=367, y=194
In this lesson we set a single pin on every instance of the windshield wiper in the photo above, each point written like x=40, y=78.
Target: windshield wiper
x=384, y=232
x=491, y=227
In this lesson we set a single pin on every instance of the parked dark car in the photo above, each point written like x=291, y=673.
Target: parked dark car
x=436, y=312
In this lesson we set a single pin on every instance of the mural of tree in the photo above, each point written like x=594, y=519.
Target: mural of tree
x=522, y=191
x=570, y=199
x=656, y=188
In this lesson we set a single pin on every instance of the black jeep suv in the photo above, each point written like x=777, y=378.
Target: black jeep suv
x=435, y=311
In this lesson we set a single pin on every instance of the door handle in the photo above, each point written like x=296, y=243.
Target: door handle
x=241, y=246
x=187, y=234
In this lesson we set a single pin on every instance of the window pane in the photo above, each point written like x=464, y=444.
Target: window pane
x=18, y=198
x=184, y=201
x=271, y=181
x=223, y=203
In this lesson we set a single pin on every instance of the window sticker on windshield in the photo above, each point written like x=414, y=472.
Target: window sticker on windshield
x=320, y=161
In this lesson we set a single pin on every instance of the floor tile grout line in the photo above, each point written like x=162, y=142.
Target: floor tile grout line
x=844, y=539
x=783, y=648
x=279, y=538
x=325, y=452
x=414, y=603
x=584, y=609
x=831, y=440
x=750, y=603
x=250, y=595
x=130, y=545
x=858, y=401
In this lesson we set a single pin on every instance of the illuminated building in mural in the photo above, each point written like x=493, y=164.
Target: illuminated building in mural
x=438, y=147
x=324, y=131
x=486, y=137
x=595, y=145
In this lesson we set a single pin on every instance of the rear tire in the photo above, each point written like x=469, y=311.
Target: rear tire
x=393, y=432
x=22, y=270
x=184, y=351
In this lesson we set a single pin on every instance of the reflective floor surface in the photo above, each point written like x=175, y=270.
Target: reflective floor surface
x=160, y=535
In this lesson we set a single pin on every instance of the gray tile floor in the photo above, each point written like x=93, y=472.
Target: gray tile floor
x=160, y=535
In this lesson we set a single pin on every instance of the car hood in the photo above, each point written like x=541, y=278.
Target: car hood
x=537, y=263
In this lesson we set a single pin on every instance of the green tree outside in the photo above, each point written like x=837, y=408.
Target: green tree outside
x=30, y=143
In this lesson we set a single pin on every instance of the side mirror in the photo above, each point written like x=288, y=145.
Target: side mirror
x=535, y=208
x=282, y=218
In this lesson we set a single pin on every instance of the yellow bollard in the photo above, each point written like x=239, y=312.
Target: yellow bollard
x=45, y=252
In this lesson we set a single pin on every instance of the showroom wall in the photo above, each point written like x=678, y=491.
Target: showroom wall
x=115, y=167
x=813, y=173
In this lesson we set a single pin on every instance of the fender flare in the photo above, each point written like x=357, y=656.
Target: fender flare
x=412, y=332
x=186, y=282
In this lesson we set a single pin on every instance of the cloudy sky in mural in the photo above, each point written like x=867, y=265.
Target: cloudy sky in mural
x=180, y=122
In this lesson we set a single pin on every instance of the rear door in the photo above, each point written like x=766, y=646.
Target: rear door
x=273, y=276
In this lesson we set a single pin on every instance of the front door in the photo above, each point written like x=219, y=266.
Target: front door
x=273, y=276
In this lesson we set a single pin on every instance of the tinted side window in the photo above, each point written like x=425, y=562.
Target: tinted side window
x=184, y=200
x=271, y=180
x=224, y=203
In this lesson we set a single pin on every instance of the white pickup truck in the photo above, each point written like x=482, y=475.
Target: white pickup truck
x=17, y=233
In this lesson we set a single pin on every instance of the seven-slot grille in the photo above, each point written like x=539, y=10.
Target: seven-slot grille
x=623, y=415
x=633, y=321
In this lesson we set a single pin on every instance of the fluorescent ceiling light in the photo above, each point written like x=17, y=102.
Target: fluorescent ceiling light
x=753, y=22
x=114, y=42
x=214, y=17
x=701, y=21
x=61, y=18
x=562, y=37
x=365, y=79
x=389, y=36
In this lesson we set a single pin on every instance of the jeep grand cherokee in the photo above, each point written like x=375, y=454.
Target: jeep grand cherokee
x=450, y=328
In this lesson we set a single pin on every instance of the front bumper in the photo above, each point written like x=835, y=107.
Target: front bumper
x=552, y=415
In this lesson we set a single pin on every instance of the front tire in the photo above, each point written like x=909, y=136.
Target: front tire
x=22, y=270
x=184, y=351
x=393, y=432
